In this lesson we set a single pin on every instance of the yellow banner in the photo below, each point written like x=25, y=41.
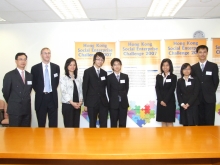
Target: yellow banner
x=216, y=50
x=183, y=50
x=84, y=52
x=141, y=52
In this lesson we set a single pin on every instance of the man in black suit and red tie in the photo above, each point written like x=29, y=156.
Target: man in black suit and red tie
x=17, y=86
x=207, y=73
x=94, y=92
x=45, y=82
x=118, y=85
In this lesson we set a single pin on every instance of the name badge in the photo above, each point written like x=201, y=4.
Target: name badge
x=56, y=75
x=122, y=81
x=168, y=80
x=29, y=82
x=208, y=73
x=188, y=83
x=103, y=78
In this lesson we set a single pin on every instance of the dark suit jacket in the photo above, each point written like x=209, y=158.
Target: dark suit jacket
x=188, y=94
x=165, y=92
x=208, y=83
x=94, y=88
x=116, y=88
x=38, y=83
x=16, y=93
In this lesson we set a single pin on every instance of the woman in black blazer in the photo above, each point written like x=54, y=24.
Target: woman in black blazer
x=165, y=87
x=187, y=94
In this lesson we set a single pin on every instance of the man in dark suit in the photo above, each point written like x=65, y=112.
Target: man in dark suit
x=94, y=92
x=207, y=73
x=45, y=82
x=118, y=85
x=17, y=86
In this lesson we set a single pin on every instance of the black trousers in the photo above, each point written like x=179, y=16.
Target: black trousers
x=71, y=116
x=206, y=113
x=47, y=107
x=118, y=115
x=19, y=120
x=99, y=111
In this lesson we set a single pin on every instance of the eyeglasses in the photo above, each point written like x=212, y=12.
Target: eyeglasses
x=21, y=59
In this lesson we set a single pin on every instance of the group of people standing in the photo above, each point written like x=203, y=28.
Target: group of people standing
x=45, y=78
x=195, y=92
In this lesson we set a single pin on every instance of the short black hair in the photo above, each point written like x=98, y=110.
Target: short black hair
x=20, y=54
x=170, y=64
x=68, y=61
x=184, y=66
x=100, y=54
x=114, y=60
x=202, y=47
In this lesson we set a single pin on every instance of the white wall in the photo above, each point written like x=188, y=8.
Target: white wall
x=60, y=37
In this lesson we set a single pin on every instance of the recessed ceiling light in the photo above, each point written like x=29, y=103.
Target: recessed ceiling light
x=1, y=19
x=165, y=8
x=67, y=9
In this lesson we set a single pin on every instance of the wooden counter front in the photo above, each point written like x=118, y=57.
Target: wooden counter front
x=179, y=144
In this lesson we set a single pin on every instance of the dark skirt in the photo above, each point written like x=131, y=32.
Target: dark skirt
x=189, y=117
x=166, y=114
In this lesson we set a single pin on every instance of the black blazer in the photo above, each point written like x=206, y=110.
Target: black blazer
x=117, y=88
x=208, y=83
x=165, y=92
x=16, y=93
x=188, y=94
x=94, y=87
x=38, y=83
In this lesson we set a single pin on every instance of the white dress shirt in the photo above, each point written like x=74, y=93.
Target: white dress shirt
x=97, y=69
x=186, y=80
x=49, y=71
x=20, y=71
x=203, y=64
x=117, y=74
x=164, y=77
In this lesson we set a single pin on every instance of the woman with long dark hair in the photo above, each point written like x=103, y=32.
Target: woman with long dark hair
x=71, y=92
x=165, y=87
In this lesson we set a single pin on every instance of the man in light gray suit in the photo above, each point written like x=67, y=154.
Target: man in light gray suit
x=17, y=86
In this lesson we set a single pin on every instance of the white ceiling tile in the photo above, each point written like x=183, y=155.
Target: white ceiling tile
x=198, y=3
x=215, y=12
x=133, y=3
x=132, y=12
x=42, y=15
x=5, y=6
x=29, y=5
x=14, y=16
x=192, y=12
x=101, y=13
x=98, y=4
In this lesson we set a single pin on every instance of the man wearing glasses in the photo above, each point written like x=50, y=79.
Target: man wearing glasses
x=17, y=86
x=94, y=92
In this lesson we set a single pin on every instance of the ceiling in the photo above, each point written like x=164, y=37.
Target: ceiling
x=27, y=11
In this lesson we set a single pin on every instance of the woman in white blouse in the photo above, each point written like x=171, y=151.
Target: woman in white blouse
x=71, y=92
